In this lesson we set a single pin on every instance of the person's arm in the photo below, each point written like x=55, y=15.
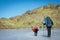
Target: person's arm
x=52, y=22
x=44, y=23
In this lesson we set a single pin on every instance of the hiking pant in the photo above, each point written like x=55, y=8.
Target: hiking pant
x=35, y=33
x=49, y=31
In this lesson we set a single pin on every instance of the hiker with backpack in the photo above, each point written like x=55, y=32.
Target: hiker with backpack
x=49, y=24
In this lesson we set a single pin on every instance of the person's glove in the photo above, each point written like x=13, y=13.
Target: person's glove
x=43, y=23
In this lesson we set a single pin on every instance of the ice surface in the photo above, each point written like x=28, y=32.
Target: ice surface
x=27, y=34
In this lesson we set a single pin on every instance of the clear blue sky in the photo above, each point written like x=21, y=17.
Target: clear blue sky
x=10, y=8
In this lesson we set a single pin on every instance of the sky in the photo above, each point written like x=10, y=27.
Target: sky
x=11, y=8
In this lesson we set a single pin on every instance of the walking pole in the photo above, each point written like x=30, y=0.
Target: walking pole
x=43, y=29
x=53, y=31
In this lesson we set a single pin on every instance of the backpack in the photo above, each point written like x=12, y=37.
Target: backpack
x=48, y=22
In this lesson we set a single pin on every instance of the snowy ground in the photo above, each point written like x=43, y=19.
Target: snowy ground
x=27, y=34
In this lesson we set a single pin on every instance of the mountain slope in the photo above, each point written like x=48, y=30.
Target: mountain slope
x=33, y=17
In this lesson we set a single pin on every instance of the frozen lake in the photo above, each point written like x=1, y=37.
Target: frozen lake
x=27, y=34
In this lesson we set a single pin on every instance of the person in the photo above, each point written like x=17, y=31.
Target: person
x=35, y=30
x=49, y=24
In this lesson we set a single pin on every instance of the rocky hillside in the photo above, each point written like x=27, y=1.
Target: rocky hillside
x=33, y=17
